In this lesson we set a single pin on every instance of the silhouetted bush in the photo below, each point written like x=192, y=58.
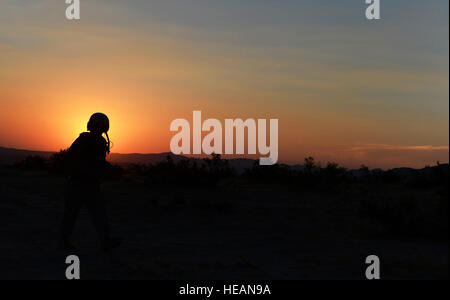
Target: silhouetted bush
x=114, y=172
x=32, y=163
x=207, y=172
x=57, y=162
x=405, y=201
x=278, y=174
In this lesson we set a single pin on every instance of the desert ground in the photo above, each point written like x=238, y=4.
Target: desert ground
x=234, y=229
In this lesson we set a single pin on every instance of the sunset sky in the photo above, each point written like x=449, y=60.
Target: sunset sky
x=344, y=89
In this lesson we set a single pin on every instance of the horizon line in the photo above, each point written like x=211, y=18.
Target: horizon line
x=202, y=156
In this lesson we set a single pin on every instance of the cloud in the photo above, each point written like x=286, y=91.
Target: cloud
x=378, y=147
x=388, y=156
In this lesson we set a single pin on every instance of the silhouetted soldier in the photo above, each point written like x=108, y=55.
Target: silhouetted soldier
x=86, y=163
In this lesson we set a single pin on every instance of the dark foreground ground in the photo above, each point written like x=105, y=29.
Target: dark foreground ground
x=231, y=231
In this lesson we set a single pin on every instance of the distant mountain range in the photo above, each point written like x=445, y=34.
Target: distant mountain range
x=10, y=156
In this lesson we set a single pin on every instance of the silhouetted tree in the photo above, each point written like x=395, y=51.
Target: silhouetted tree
x=309, y=164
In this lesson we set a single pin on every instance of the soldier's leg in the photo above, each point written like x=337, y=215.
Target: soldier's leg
x=97, y=207
x=72, y=208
